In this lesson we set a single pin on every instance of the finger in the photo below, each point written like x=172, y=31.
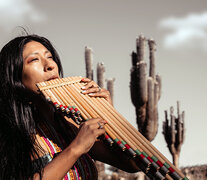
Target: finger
x=85, y=80
x=101, y=125
x=98, y=125
x=90, y=84
x=99, y=132
x=92, y=90
x=95, y=121
x=101, y=93
x=92, y=126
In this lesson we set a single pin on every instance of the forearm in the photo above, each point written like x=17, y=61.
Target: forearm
x=114, y=157
x=60, y=165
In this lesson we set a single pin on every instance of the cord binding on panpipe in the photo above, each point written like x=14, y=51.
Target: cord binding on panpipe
x=66, y=97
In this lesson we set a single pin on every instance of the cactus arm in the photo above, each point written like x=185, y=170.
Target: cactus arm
x=100, y=74
x=89, y=62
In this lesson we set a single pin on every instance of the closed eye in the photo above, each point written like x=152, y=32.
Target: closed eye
x=35, y=59
x=50, y=57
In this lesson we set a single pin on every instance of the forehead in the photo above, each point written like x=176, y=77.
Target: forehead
x=33, y=47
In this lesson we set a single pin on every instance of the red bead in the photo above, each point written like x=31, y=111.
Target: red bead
x=159, y=163
x=127, y=146
x=118, y=142
x=149, y=159
x=142, y=156
x=171, y=170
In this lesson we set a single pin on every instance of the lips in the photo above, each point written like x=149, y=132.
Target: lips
x=53, y=77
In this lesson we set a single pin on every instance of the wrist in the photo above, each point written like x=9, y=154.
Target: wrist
x=75, y=150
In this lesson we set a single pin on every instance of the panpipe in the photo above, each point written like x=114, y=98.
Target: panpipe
x=66, y=96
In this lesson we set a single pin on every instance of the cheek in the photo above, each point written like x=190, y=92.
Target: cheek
x=30, y=77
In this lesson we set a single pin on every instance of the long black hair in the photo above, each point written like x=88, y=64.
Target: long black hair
x=17, y=120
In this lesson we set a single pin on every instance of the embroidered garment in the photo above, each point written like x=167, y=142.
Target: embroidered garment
x=83, y=169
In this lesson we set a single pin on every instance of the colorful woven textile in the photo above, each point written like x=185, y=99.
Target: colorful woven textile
x=83, y=169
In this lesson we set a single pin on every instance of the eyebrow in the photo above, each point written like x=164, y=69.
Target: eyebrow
x=36, y=53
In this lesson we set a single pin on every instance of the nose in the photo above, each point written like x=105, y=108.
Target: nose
x=48, y=65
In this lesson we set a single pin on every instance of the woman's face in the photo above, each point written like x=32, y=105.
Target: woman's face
x=38, y=65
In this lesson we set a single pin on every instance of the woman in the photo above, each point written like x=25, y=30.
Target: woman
x=36, y=142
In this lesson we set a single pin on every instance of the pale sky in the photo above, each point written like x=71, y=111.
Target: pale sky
x=110, y=28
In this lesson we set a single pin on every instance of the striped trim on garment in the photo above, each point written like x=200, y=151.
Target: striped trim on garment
x=53, y=149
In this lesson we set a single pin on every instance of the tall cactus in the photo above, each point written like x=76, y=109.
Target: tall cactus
x=110, y=87
x=100, y=74
x=89, y=62
x=145, y=90
x=174, y=132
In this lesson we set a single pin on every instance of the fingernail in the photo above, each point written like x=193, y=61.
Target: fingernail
x=83, y=91
x=83, y=87
x=91, y=94
x=82, y=79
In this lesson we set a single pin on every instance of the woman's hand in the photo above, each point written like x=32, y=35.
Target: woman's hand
x=87, y=135
x=93, y=90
